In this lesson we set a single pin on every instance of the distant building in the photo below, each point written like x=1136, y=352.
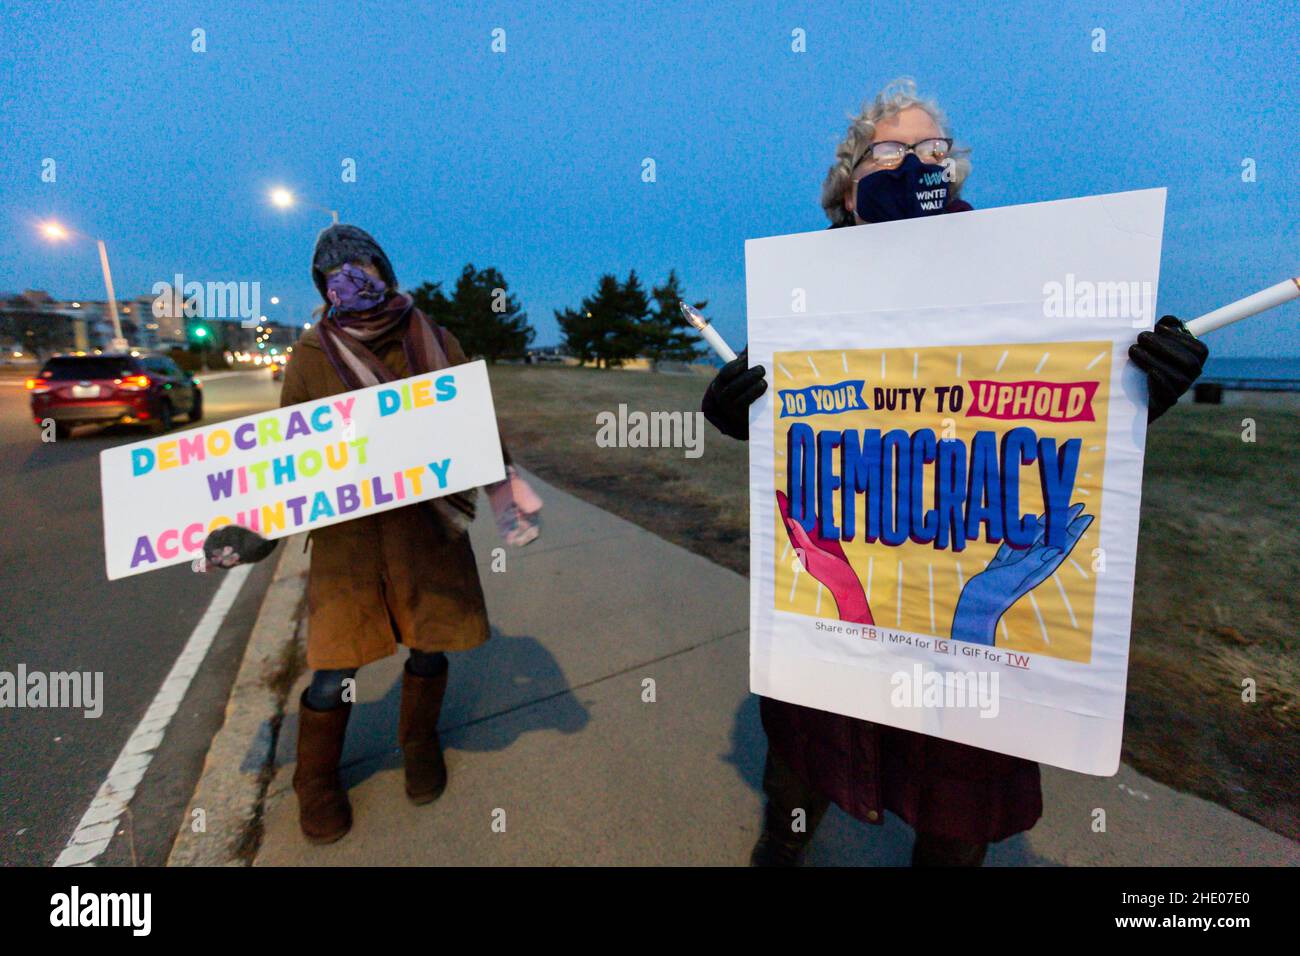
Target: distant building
x=43, y=324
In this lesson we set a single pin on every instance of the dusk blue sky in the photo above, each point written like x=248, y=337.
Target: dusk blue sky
x=530, y=161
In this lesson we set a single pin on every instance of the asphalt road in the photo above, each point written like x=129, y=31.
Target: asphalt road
x=59, y=612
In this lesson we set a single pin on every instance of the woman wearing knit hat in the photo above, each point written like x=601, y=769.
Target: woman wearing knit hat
x=401, y=576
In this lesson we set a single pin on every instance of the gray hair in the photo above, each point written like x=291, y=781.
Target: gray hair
x=898, y=95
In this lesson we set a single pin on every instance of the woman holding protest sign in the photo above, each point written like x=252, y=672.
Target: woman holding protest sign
x=898, y=161
x=405, y=575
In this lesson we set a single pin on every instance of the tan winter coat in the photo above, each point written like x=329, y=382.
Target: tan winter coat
x=394, y=576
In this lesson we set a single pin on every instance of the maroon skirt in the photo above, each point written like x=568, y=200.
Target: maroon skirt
x=937, y=786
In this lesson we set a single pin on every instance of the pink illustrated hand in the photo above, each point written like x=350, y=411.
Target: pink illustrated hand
x=824, y=559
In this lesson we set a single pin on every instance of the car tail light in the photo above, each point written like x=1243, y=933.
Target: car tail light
x=38, y=385
x=135, y=383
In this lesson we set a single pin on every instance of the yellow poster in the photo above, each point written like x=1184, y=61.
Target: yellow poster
x=949, y=491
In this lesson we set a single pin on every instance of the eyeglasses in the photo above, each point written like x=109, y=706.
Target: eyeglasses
x=889, y=153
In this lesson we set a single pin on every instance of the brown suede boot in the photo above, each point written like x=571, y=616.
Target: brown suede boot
x=324, y=812
x=417, y=732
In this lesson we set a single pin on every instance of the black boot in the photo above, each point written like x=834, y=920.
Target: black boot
x=930, y=850
x=786, y=832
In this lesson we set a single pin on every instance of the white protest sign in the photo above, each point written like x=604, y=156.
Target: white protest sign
x=301, y=467
x=946, y=471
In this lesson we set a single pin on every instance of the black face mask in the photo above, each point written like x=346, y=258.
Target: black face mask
x=910, y=190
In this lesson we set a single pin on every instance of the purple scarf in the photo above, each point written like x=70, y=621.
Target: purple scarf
x=344, y=337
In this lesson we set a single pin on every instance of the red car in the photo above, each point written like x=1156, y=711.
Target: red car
x=108, y=389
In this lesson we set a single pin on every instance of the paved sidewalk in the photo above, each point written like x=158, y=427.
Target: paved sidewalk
x=545, y=729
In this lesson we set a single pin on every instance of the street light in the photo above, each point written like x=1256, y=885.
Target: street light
x=284, y=199
x=56, y=232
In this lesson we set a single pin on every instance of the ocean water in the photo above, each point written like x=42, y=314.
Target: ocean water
x=1220, y=369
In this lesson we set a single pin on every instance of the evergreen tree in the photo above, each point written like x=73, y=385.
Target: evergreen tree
x=486, y=318
x=579, y=330
x=604, y=329
x=627, y=336
x=433, y=302
x=667, y=337
x=617, y=323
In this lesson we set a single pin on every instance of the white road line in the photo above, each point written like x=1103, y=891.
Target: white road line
x=99, y=822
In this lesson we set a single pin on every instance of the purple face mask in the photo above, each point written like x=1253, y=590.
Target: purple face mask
x=352, y=289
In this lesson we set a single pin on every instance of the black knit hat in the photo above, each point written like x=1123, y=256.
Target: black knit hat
x=342, y=243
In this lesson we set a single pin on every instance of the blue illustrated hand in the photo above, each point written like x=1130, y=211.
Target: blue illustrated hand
x=1010, y=576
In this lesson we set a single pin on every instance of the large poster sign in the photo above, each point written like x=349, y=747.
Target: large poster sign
x=301, y=467
x=944, y=497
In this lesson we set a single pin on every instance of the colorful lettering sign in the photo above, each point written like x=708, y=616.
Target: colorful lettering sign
x=300, y=467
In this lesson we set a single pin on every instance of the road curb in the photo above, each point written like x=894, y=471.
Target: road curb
x=238, y=766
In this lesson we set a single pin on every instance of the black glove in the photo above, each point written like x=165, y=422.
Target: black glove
x=231, y=545
x=1172, y=358
x=728, y=397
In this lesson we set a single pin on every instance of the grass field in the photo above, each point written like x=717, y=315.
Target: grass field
x=1215, y=601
